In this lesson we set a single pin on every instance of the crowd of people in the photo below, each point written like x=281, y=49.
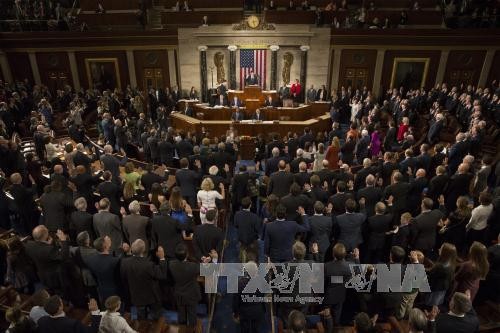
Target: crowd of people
x=382, y=186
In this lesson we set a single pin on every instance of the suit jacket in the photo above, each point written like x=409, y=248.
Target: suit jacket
x=167, y=233
x=361, y=149
x=321, y=232
x=360, y=178
x=259, y=117
x=105, y=269
x=188, y=181
x=446, y=323
x=207, y=237
x=111, y=164
x=400, y=193
x=311, y=95
x=24, y=202
x=240, y=186
x=237, y=116
x=82, y=159
x=185, y=275
x=302, y=177
x=113, y=192
x=377, y=226
x=279, y=183
x=136, y=227
x=249, y=80
x=372, y=195
x=348, y=227
x=292, y=202
x=149, y=178
x=48, y=259
x=457, y=186
x=456, y=154
x=140, y=277
x=294, y=164
x=272, y=165
x=481, y=181
x=81, y=221
x=55, y=206
x=338, y=202
x=279, y=238
x=335, y=291
x=48, y=324
x=434, y=130
x=108, y=224
x=223, y=103
x=423, y=230
x=85, y=185
x=184, y=148
x=248, y=225
x=390, y=138
x=437, y=186
x=424, y=161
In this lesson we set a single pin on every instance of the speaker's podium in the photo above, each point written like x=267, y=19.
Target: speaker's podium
x=253, y=97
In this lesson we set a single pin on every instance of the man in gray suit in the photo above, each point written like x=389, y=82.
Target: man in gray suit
x=311, y=95
x=348, y=226
x=108, y=224
x=112, y=164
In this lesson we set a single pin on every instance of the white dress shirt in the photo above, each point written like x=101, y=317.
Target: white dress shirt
x=479, y=218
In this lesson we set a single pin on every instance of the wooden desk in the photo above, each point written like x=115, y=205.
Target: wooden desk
x=319, y=122
x=253, y=96
x=301, y=113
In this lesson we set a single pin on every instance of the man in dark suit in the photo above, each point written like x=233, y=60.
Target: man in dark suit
x=316, y=192
x=338, y=200
x=105, y=268
x=390, y=137
x=258, y=116
x=386, y=168
x=293, y=200
x=302, y=176
x=188, y=181
x=399, y=191
x=360, y=177
x=280, y=235
x=251, y=79
x=167, y=231
x=48, y=256
x=417, y=187
x=280, y=181
x=407, y=167
x=337, y=274
x=237, y=115
x=371, y=194
x=110, y=190
x=80, y=158
x=326, y=175
x=150, y=177
x=81, y=220
x=236, y=102
x=108, y=224
x=272, y=162
x=423, y=229
x=294, y=164
x=111, y=163
x=208, y=237
x=361, y=150
x=321, y=230
x=377, y=226
x=248, y=224
x=461, y=318
x=438, y=184
x=186, y=288
x=55, y=207
x=435, y=129
x=57, y=322
x=348, y=226
x=221, y=100
x=306, y=137
x=184, y=147
x=270, y=102
x=456, y=153
x=24, y=202
x=239, y=188
x=458, y=185
x=141, y=278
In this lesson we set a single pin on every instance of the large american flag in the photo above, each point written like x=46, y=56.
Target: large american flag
x=256, y=60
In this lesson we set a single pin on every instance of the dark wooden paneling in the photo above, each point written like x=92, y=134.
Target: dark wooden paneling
x=357, y=3
x=194, y=4
x=119, y=55
x=109, y=19
x=357, y=61
x=65, y=39
x=416, y=37
x=389, y=60
x=464, y=67
x=151, y=59
x=195, y=19
x=495, y=69
x=20, y=66
x=52, y=65
x=110, y=4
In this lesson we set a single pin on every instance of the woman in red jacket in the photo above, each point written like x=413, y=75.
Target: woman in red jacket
x=403, y=128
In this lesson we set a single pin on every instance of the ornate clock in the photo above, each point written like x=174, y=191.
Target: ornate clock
x=253, y=21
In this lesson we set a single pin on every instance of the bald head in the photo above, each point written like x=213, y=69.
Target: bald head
x=16, y=178
x=370, y=180
x=282, y=165
x=108, y=149
x=463, y=168
x=40, y=233
x=420, y=173
x=302, y=166
x=325, y=164
x=138, y=247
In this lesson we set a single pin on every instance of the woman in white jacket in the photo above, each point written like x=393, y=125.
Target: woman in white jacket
x=111, y=320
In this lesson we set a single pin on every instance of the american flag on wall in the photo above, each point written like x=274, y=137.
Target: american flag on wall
x=256, y=60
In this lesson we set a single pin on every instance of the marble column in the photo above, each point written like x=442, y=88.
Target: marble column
x=4, y=64
x=303, y=70
x=442, y=66
x=274, y=66
x=232, y=66
x=34, y=68
x=74, y=70
x=488, y=62
x=203, y=73
x=131, y=68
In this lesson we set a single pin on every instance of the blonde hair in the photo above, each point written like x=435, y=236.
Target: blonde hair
x=335, y=142
x=207, y=184
x=128, y=190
